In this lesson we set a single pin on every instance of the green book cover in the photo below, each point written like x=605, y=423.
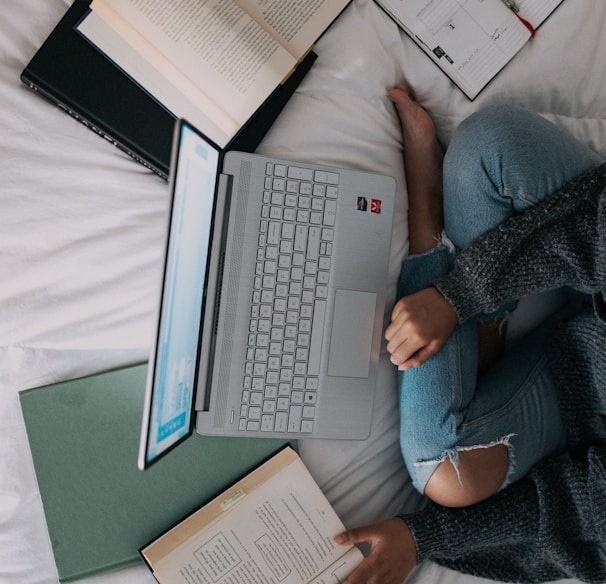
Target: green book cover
x=100, y=508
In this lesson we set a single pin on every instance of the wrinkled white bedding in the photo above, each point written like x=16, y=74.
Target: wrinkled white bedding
x=81, y=227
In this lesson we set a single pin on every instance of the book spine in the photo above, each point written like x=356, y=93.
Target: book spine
x=40, y=91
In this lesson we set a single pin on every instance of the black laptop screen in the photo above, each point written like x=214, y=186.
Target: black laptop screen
x=176, y=351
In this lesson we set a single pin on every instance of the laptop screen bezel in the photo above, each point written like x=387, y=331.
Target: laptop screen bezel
x=145, y=460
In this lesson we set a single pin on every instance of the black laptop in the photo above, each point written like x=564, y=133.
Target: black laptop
x=71, y=73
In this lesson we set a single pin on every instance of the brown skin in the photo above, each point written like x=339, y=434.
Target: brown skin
x=420, y=324
x=393, y=554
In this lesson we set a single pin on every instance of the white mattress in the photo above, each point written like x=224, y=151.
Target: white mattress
x=81, y=227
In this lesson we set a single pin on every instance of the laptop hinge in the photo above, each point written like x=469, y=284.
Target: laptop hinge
x=213, y=295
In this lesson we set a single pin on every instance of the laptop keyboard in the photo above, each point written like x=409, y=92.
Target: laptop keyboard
x=289, y=300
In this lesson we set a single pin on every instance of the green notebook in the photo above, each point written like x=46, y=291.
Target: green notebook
x=100, y=509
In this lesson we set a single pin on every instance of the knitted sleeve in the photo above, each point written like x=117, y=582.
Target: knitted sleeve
x=548, y=526
x=559, y=242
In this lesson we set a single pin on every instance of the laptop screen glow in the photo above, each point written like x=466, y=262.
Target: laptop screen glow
x=176, y=357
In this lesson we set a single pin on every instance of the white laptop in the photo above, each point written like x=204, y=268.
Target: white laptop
x=273, y=295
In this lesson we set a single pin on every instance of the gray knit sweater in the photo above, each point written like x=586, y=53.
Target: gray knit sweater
x=552, y=524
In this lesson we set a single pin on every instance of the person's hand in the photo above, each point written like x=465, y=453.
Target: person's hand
x=420, y=324
x=392, y=556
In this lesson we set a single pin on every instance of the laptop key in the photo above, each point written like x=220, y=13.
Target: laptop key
x=313, y=243
x=307, y=426
x=315, y=343
x=291, y=300
x=294, y=418
x=322, y=176
x=281, y=422
x=330, y=213
x=267, y=423
x=300, y=243
x=300, y=173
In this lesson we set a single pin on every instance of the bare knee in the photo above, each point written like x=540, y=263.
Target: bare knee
x=481, y=472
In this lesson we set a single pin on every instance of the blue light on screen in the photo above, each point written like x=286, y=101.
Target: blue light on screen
x=186, y=262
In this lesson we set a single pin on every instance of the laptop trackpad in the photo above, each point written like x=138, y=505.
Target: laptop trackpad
x=352, y=328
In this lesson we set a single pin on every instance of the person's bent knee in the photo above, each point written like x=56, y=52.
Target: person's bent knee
x=492, y=125
x=479, y=473
x=484, y=136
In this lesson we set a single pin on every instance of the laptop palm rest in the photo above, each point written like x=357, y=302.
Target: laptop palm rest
x=352, y=332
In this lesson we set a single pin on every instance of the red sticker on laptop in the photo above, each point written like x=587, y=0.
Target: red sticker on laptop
x=375, y=206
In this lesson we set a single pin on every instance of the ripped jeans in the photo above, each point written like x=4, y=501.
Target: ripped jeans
x=501, y=161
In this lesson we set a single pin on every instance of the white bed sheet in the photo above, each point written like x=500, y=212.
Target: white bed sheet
x=81, y=233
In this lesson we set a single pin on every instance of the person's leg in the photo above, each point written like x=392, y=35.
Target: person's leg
x=501, y=161
x=458, y=444
x=423, y=163
x=483, y=470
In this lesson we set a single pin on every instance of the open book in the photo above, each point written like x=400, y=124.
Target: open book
x=214, y=62
x=275, y=525
x=470, y=40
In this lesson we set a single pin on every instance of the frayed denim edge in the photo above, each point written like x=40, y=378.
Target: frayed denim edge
x=453, y=455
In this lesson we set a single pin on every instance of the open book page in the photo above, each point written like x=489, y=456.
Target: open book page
x=536, y=11
x=275, y=525
x=339, y=570
x=172, y=89
x=215, y=44
x=296, y=25
x=471, y=40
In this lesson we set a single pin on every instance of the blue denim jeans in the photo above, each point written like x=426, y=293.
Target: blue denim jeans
x=501, y=161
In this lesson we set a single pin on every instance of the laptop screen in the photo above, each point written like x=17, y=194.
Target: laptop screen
x=172, y=379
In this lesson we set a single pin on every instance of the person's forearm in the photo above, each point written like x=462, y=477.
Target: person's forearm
x=544, y=517
x=443, y=533
x=560, y=242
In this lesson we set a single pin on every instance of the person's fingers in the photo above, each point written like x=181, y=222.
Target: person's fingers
x=392, y=552
x=405, y=353
x=369, y=570
x=421, y=323
x=363, y=574
x=420, y=357
x=396, y=313
x=404, y=338
x=356, y=535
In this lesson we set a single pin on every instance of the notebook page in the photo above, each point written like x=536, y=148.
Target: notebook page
x=471, y=40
